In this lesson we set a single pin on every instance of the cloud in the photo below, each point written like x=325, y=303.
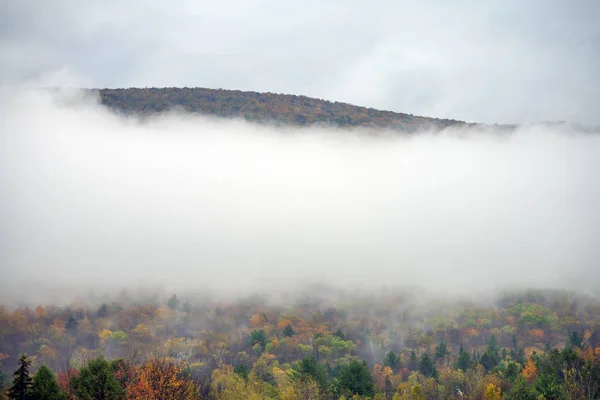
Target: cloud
x=491, y=62
x=91, y=200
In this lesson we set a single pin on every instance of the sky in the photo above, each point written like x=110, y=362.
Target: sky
x=480, y=61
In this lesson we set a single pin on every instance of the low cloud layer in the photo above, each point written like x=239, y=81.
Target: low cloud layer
x=90, y=200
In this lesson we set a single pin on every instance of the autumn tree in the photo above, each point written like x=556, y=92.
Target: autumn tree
x=21, y=384
x=161, y=380
x=45, y=386
x=492, y=392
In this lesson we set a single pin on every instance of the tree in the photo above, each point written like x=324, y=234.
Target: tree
x=308, y=368
x=173, y=302
x=258, y=337
x=413, y=363
x=45, y=386
x=354, y=378
x=96, y=381
x=392, y=360
x=289, y=331
x=21, y=384
x=72, y=323
x=492, y=392
x=426, y=366
x=464, y=359
x=575, y=340
x=490, y=358
x=441, y=350
x=162, y=380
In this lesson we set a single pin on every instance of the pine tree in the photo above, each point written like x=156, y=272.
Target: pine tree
x=96, y=381
x=441, y=350
x=45, y=386
x=413, y=364
x=392, y=360
x=426, y=366
x=289, y=331
x=21, y=384
x=464, y=360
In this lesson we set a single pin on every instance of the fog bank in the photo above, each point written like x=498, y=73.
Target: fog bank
x=91, y=200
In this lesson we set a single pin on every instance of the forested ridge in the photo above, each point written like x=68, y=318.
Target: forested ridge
x=397, y=345
x=270, y=108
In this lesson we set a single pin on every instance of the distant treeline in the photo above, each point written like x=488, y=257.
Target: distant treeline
x=278, y=109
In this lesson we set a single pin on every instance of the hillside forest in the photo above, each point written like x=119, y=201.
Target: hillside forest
x=268, y=108
x=325, y=344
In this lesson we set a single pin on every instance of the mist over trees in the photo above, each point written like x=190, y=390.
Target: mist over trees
x=527, y=344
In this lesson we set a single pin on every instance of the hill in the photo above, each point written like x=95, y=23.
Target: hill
x=277, y=109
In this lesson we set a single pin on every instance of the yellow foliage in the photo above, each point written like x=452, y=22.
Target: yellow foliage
x=104, y=335
x=492, y=392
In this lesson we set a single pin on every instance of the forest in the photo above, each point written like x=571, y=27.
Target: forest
x=323, y=344
x=271, y=108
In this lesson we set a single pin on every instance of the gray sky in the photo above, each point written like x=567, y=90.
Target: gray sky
x=502, y=61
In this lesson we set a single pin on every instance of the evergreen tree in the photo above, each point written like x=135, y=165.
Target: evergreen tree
x=309, y=368
x=71, y=323
x=426, y=366
x=45, y=386
x=441, y=350
x=464, y=360
x=21, y=384
x=173, y=302
x=355, y=378
x=392, y=360
x=413, y=364
x=575, y=340
x=490, y=358
x=289, y=331
x=96, y=381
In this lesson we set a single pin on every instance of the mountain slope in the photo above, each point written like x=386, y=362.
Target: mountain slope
x=271, y=108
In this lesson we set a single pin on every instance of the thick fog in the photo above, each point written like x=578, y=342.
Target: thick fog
x=91, y=201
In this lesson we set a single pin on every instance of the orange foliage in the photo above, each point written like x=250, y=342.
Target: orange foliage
x=537, y=334
x=258, y=320
x=161, y=380
x=530, y=370
x=283, y=323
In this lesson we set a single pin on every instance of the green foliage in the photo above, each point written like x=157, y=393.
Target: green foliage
x=173, y=302
x=441, y=350
x=354, y=378
x=96, y=381
x=413, y=363
x=464, y=360
x=288, y=331
x=21, y=383
x=72, y=323
x=242, y=370
x=308, y=368
x=426, y=366
x=490, y=358
x=45, y=386
x=258, y=337
x=392, y=360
